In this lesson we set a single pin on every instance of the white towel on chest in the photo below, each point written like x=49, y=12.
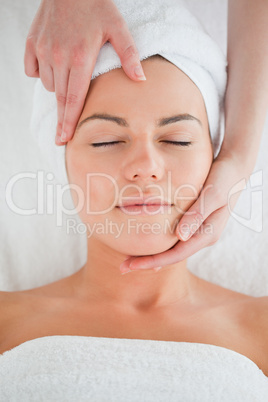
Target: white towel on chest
x=80, y=369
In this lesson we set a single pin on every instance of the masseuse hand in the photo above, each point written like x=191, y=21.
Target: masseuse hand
x=65, y=59
x=204, y=221
x=62, y=48
x=246, y=105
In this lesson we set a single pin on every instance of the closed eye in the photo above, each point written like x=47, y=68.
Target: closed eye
x=107, y=144
x=179, y=143
x=104, y=144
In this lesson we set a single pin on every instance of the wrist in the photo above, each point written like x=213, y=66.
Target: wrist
x=244, y=160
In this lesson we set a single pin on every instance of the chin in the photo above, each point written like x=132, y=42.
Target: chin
x=145, y=246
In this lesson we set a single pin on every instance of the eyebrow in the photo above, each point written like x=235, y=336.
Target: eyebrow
x=164, y=121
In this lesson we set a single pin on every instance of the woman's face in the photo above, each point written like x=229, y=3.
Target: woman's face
x=144, y=152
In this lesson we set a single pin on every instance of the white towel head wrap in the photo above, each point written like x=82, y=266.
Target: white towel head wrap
x=164, y=27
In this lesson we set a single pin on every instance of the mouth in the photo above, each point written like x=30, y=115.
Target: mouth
x=145, y=208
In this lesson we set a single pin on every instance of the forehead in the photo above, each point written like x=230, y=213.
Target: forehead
x=166, y=91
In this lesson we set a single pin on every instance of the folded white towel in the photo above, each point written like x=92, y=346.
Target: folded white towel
x=164, y=27
x=77, y=368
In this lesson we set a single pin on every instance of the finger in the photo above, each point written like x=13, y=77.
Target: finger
x=31, y=66
x=168, y=257
x=61, y=77
x=193, y=218
x=79, y=81
x=83, y=63
x=46, y=76
x=183, y=250
x=124, y=267
x=125, y=47
x=178, y=253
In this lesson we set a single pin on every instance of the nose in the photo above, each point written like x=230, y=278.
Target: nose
x=144, y=163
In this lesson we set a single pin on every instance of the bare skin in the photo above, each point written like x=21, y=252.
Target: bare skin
x=215, y=316
x=171, y=304
x=64, y=58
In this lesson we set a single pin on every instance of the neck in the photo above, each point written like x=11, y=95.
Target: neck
x=140, y=290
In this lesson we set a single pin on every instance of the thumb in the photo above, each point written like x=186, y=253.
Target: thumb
x=196, y=214
x=124, y=45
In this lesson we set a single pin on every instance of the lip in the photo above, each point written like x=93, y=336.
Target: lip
x=144, y=201
x=145, y=206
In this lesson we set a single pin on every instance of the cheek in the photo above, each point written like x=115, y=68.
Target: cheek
x=76, y=175
x=94, y=190
x=101, y=193
x=194, y=172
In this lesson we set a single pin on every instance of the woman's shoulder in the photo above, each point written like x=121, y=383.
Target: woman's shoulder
x=257, y=315
x=15, y=304
x=245, y=319
x=16, y=310
x=8, y=309
x=10, y=302
x=252, y=315
x=12, y=298
x=254, y=318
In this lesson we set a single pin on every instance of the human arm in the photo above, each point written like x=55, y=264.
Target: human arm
x=64, y=56
x=247, y=90
x=246, y=105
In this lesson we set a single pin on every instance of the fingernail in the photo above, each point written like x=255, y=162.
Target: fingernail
x=124, y=269
x=139, y=73
x=58, y=137
x=63, y=137
x=157, y=269
x=199, y=218
x=186, y=234
x=140, y=266
x=126, y=272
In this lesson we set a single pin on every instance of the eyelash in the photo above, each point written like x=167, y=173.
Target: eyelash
x=107, y=144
